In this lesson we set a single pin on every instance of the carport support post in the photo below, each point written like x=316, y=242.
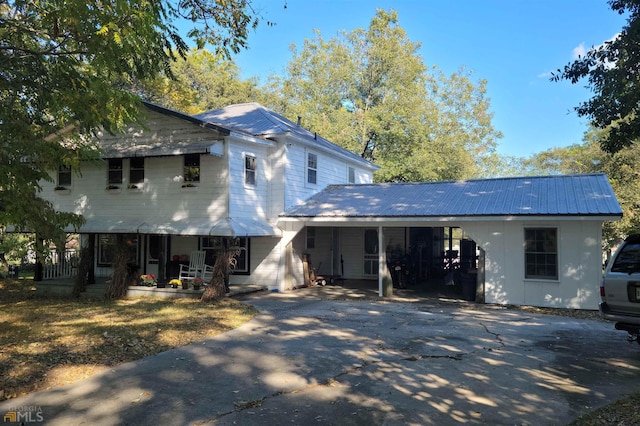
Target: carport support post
x=385, y=284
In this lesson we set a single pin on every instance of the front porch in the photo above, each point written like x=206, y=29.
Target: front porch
x=64, y=287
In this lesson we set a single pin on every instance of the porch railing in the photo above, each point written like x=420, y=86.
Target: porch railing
x=60, y=265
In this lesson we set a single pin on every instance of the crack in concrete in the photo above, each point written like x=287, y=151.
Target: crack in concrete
x=457, y=357
x=496, y=335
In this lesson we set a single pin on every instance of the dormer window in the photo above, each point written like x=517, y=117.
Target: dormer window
x=191, y=168
x=250, y=170
x=115, y=171
x=312, y=168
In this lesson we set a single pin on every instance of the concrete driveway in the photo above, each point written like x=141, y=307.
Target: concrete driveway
x=308, y=360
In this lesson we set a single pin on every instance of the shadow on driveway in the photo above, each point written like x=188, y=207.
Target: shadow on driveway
x=356, y=360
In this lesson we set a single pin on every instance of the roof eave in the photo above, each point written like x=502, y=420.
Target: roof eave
x=451, y=218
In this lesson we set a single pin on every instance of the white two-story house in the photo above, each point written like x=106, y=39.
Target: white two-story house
x=182, y=183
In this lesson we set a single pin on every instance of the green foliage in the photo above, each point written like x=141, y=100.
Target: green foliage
x=369, y=91
x=65, y=70
x=614, y=77
x=201, y=82
x=14, y=247
x=622, y=169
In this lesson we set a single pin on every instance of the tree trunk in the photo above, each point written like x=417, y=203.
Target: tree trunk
x=83, y=267
x=219, y=285
x=121, y=278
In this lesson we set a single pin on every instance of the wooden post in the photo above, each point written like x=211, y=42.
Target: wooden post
x=385, y=283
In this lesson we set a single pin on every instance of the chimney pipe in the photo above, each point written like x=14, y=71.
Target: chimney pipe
x=299, y=120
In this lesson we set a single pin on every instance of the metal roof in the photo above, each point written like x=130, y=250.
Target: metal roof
x=226, y=227
x=257, y=120
x=573, y=195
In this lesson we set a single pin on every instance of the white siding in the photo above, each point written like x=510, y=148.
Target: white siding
x=579, y=260
x=263, y=264
x=160, y=199
x=330, y=171
x=248, y=200
x=277, y=177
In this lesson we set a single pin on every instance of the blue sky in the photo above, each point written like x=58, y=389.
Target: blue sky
x=514, y=45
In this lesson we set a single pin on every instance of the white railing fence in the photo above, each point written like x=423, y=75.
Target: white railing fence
x=60, y=265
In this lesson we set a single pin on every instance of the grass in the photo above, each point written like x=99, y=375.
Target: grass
x=52, y=341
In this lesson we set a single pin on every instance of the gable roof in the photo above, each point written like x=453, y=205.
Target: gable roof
x=257, y=120
x=191, y=136
x=572, y=195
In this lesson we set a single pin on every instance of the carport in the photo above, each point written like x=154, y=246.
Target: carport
x=538, y=238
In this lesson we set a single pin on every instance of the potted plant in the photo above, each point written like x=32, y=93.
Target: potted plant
x=148, y=280
x=174, y=283
x=197, y=283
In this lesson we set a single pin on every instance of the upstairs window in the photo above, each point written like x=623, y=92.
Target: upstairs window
x=352, y=175
x=312, y=168
x=115, y=171
x=64, y=176
x=192, y=168
x=136, y=170
x=250, y=170
x=541, y=253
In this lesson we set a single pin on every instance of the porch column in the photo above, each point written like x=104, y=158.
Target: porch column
x=91, y=276
x=385, y=284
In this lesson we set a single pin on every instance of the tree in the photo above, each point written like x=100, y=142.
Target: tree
x=201, y=82
x=622, y=169
x=614, y=77
x=369, y=91
x=65, y=70
x=223, y=266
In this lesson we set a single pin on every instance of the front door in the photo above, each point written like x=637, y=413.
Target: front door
x=154, y=254
x=371, y=258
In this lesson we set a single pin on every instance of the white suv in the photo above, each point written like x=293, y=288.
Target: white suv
x=620, y=288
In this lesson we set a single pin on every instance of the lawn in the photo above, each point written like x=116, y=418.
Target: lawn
x=52, y=341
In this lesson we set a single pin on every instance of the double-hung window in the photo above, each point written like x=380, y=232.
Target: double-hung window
x=191, y=168
x=114, y=176
x=64, y=176
x=250, y=170
x=312, y=168
x=136, y=170
x=541, y=253
x=352, y=175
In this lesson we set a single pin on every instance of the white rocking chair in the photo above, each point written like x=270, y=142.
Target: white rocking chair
x=196, y=268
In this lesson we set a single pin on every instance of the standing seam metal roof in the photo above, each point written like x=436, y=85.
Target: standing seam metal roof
x=580, y=195
x=257, y=120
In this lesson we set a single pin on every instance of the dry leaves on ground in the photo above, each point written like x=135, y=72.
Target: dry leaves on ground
x=49, y=342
